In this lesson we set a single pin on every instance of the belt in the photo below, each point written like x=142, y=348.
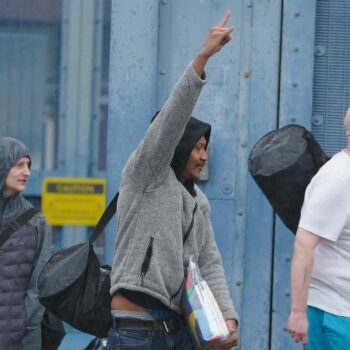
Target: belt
x=171, y=324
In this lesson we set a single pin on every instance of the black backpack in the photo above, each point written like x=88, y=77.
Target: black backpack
x=283, y=163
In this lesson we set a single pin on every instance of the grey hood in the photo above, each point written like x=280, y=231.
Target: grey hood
x=11, y=150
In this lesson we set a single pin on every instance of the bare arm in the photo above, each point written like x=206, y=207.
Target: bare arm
x=304, y=246
x=217, y=38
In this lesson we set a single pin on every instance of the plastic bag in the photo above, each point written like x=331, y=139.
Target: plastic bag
x=203, y=316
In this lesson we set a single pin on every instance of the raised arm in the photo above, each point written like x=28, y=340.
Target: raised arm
x=153, y=156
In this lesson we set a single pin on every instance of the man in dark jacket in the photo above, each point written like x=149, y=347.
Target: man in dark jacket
x=22, y=256
x=164, y=220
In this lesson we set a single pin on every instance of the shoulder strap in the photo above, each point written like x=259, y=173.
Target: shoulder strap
x=105, y=218
x=16, y=225
x=188, y=231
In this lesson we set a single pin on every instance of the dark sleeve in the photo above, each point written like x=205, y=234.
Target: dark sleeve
x=34, y=310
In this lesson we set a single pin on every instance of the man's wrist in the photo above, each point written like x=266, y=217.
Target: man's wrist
x=298, y=310
x=199, y=63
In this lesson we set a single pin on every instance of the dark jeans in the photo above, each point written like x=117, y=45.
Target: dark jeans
x=150, y=340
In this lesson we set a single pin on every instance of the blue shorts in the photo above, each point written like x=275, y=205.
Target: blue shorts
x=327, y=331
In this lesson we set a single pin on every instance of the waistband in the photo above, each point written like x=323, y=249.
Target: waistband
x=169, y=325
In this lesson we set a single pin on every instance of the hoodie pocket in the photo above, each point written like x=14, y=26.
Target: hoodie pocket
x=146, y=260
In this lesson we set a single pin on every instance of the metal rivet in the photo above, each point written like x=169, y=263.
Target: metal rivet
x=227, y=188
x=320, y=50
x=238, y=283
x=250, y=4
x=317, y=119
x=246, y=74
x=295, y=84
x=240, y=213
x=162, y=72
x=297, y=14
x=296, y=49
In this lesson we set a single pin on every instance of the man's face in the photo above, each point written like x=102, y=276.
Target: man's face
x=16, y=180
x=195, y=162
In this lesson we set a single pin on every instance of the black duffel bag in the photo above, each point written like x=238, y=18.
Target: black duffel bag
x=74, y=286
x=283, y=163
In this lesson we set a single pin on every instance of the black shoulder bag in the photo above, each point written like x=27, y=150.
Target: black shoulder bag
x=75, y=287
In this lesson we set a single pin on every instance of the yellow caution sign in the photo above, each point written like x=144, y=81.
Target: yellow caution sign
x=73, y=201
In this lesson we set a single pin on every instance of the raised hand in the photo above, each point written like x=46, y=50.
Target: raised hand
x=218, y=37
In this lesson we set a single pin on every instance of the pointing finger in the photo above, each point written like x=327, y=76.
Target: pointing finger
x=224, y=19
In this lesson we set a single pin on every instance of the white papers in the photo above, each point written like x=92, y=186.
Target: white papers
x=210, y=307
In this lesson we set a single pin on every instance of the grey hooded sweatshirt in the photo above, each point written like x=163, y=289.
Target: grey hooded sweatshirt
x=155, y=211
x=21, y=259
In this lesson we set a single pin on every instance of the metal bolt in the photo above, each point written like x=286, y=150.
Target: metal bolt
x=295, y=84
x=296, y=49
x=320, y=50
x=162, y=72
x=249, y=4
x=297, y=14
x=287, y=292
x=246, y=74
x=240, y=213
x=227, y=188
x=317, y=119
x=238, y=283
x=163, y=2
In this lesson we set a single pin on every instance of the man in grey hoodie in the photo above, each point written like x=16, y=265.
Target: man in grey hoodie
x=23, y=254
x=164, y=219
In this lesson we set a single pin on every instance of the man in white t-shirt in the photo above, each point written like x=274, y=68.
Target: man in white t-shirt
x=320, y=274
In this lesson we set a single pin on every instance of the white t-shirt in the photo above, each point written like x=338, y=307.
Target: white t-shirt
x=326, y=213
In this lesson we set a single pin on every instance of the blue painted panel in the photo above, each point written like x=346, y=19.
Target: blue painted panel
x=295, y=107
x=223, y=222
x=260, y=73
x=297, y=62
x=132, y=88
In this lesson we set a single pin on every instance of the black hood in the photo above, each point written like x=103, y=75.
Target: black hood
x=194, y=130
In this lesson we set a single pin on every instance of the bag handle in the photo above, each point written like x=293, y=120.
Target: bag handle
x=16, y=225
x=105, y=218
